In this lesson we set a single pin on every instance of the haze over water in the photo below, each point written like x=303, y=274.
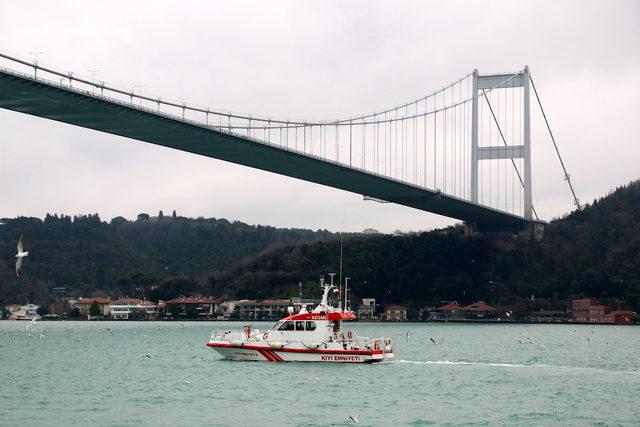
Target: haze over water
x=499, y=374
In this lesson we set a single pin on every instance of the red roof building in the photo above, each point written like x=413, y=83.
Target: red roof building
x=589, y=310
x=479, y=306
x=84, y=305
x=133, y=308
x=450, y=308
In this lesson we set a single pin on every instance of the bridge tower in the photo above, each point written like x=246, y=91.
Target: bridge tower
x=481, y=83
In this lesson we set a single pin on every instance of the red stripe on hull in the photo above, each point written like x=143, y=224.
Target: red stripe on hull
x=277, y=356
x=266, y=355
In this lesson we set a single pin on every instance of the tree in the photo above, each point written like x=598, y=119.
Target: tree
x=174, y=214
x=118, y=220
x=160, y=215
x=143, y=217
x=94, y=309
x=138, y=313
x=235, y=314
x=74, y=314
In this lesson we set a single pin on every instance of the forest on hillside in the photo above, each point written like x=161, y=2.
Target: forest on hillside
x=594, y=252
x=119, y=257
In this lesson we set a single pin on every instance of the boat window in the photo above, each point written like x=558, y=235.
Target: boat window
x=311, y=326
x=287, y=326
x=277, y=326
x=299, y=326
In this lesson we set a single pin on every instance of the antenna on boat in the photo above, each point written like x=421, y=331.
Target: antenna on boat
x=346, y=295
x=340, y=282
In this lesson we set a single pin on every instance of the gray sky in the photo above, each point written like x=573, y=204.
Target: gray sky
x=312, y=60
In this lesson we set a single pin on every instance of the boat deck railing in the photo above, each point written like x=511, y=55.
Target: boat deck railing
x=349, y=340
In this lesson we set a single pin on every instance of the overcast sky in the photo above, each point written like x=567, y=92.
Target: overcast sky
x=312, y=60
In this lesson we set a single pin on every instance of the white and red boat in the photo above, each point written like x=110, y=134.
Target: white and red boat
x=306, y=336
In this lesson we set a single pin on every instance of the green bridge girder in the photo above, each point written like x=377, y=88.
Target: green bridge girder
x=27, y=95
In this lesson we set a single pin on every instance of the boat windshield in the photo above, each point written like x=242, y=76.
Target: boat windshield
x=277, y=326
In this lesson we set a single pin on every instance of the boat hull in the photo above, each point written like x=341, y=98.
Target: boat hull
x=268, y=354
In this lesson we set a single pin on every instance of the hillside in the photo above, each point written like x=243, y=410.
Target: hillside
x=88, y=254
x=594, y=252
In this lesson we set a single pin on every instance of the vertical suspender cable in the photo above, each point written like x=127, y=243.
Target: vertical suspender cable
x=567, y=177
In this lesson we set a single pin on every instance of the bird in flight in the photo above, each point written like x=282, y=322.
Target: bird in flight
x=21, y=254
x=355, y=419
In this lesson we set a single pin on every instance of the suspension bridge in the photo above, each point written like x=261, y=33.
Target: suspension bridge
x=463, y=151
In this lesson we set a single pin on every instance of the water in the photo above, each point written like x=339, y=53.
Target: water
x=82, y=373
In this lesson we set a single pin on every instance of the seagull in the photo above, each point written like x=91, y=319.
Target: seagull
x=31, y=324
x=355, y=419
x=406, y=337
x=21, y=254
x=433, y=341
x=145, y=355
x=315, y=379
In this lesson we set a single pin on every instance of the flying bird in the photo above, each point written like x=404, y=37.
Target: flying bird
x=21, y=254
x=31, y=324
x=355, y=419
x=145, y=355
x=433, y=341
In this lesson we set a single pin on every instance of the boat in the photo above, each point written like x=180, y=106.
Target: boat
x=305, y=336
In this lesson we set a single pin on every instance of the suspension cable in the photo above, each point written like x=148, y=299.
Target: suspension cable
x=567, y=177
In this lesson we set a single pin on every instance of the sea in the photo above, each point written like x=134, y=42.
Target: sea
x=96, y=373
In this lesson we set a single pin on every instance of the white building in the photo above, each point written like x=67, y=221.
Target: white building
x=23, y=312
x=367, y=309
x=124, y=308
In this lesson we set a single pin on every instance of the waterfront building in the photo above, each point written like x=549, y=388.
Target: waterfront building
x=83, y=304
x=549, y=316
x=448, y=311
x=126, y=308
x=367, y=309
x=22, y=312
x=479, y=310
x=203, y=306
x=226, y=309
x=590, y=310
x=396, y=312
x=268, y=309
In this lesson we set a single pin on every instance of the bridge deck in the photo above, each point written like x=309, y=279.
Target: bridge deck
x=30, y=96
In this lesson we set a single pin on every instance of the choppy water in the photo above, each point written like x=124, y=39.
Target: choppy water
x=82, y=373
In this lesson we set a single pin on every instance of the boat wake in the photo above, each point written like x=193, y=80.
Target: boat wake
x=517, y=365
x=448, y=362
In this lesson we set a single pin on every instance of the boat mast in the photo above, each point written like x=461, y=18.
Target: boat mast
x=340, y=282
x=346, y=297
